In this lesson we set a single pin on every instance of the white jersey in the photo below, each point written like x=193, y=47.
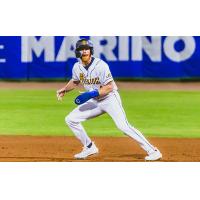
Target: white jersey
x=94, y=76
x=97, y=75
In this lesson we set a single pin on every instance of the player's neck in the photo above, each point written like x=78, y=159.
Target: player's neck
x=86, y=63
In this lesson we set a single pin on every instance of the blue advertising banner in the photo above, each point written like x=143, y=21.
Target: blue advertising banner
x=136, y=57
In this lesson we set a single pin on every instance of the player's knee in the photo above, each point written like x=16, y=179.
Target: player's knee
x=69, y=120
x=123, y=127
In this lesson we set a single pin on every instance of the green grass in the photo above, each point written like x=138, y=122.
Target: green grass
x=155, y=113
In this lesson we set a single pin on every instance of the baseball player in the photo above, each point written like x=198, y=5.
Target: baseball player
x=101, y=96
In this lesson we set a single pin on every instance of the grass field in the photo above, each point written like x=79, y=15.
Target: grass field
x=155, y=113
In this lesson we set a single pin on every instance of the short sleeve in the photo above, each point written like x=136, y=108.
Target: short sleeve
x=74, y=74
x=106, y=74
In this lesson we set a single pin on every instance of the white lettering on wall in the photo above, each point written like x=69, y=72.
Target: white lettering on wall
x=67, y=49
x=111, y=47
x=151, y=48
x=106, y=49
x=184, y=54
x=31, y=45
x=123, y=48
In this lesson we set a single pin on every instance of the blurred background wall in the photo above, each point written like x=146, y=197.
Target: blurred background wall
x=129, y=57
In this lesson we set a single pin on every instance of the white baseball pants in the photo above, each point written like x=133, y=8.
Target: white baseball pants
x=111, y=105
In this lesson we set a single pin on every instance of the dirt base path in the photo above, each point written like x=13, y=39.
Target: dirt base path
x=189, y=86
x=62, y=149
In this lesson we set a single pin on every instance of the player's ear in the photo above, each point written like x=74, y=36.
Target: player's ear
x=78, y=53
x=91, y=51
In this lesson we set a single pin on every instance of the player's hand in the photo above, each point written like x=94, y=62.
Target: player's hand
x=82, y=98
x=60, y=94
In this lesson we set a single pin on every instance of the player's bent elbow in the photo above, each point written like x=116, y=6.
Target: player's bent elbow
x=109, y=87
x=106, y=89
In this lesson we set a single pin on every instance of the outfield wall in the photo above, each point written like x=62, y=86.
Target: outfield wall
x=137, y=57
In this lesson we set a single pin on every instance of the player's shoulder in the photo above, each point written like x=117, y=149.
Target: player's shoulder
x=100, y=63
x=76, y=65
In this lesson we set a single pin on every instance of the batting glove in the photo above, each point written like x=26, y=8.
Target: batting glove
x=86, y=96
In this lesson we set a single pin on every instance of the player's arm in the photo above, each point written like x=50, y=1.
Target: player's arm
x=103, y=91
x=72, y=84
x=106, y=89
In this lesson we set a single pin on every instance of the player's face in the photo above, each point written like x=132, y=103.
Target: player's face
x=86, y=55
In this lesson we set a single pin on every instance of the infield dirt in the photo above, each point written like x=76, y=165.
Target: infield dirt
x=112, y=149
x=173, y=86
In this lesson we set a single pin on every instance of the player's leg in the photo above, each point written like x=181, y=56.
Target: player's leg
x=113, y=107
x=83, y=112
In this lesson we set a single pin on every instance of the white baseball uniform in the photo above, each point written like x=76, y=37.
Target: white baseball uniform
x=97, y=75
